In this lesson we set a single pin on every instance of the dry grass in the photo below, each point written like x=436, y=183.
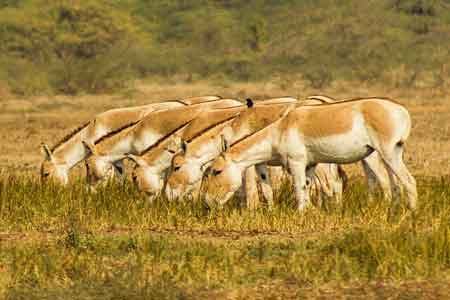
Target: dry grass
x=65, y=243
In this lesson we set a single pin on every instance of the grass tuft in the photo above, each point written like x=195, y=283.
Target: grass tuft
x=64, y=243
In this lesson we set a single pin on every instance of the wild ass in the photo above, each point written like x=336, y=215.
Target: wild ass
x=189, y=165
x=305, y=137
x=69, y=151
x=137, y=137
x=153, y=163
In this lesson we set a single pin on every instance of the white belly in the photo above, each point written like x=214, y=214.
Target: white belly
x=348, y=147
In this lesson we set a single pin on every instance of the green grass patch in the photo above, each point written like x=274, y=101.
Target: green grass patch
x=66, y=243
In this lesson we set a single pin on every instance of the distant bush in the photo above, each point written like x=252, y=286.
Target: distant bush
x=79, y=44
x=416, y=7
x=99, y=46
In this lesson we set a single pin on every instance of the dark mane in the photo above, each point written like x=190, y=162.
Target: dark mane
x=176, y=101
x=255, y=132
x=115, y=132
x=211, y=127
x=69, y=136
x=248, y=135
x=162, y=139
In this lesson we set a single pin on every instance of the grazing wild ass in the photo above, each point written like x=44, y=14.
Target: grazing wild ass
x=189, y=165
x=69, y=151
x=187, y=171
x=105, y=153
x=153, y=163
x=305, y=137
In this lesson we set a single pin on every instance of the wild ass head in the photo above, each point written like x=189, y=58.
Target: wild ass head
x=185, y=173
x=223, y=178
x=52, y=169
x=100, y=168
x=151, y=166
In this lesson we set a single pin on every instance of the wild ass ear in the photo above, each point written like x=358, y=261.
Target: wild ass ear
x=223, y=143
x=137, y=160
x=249, y=102
x=47, y=152
x=89, y=147
x=206, y=166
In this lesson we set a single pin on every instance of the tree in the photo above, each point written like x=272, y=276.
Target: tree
x=83, y=44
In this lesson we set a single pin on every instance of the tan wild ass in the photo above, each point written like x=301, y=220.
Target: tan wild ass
x=136, y=138
x=189, y=165
x=305, y=137
x=69, y=151
x=153, y=163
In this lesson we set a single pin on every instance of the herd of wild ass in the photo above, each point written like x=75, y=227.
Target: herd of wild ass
x=213, y=147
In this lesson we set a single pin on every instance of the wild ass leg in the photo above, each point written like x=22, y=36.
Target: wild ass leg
x=276, y=175
x=266, y=185
x=376, y=174
x=340, y=182
x=251, y=191
x=313, y=186
x=395, y=166
x=298, y=171
x=409, y=182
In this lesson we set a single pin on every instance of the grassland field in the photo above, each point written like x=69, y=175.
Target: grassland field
x=64, y=243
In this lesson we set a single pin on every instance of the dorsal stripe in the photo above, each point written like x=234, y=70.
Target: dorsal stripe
x=112, y=133
x=249, y=135
x=253, y=133
x=211, y=127
x=162, y=139
x=69, y=136
x=174, y=100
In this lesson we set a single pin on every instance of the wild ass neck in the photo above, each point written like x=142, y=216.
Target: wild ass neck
x=154, y=127
x=71, y=151
x=254, y=148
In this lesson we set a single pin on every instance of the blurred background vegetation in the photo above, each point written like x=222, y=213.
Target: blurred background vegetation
x=97, y=46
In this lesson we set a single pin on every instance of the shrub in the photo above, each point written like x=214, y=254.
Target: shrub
x=416, y=7
x=81, y=43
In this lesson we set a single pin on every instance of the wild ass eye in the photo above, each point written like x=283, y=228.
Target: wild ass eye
x=171, y=151
x=216, y=172
x=176, y=168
